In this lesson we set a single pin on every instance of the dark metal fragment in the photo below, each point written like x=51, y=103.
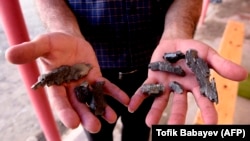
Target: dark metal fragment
x=202, y=72
x=94, y=97
x=176, y=87
x=152, y=89
x=166, y=66
x=63, y=74
x=98, y=102
x=83, y=93
x=173, y=57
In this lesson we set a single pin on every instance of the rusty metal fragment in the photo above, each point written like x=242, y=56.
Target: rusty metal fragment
x=152, y=89
x=63, y=74
x=93, y=97
x=98, y=102
x=176, y=87
x=166, y=66
x=202, y=72
x=173, y=57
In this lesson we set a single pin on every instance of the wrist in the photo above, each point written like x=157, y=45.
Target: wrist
x=177, y=33
x=71, y=30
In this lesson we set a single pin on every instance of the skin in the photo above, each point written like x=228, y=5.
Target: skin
x=65, y=45
x=53, y=54
x=189, y=83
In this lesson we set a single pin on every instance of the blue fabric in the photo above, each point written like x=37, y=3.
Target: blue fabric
x=123, y=33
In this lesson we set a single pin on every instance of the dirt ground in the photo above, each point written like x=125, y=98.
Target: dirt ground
x=18, y=121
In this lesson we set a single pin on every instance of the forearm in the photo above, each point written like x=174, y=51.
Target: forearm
x=181, y=19
x=57, y=16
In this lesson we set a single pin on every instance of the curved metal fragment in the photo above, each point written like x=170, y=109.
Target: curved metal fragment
x=202, y=73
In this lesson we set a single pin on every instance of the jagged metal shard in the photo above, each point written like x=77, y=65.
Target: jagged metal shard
x=176, y=87
x=166, y=66
x=173, y=57
x=94, y=97
x=83, y=93
x=98, y=102
x=202, y=72
x=152, y=89
x=63, y=74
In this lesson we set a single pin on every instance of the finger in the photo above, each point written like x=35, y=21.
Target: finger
x=179, y=109
x=89, y=121
x=157, y=109
x=222, y=66
x=116, y=92
x=110, y=115
x=58, y=98
x=208, y=111
x=217, y=62
x=136, y=100
x=28, y=51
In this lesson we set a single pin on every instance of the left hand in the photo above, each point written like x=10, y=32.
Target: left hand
x=189, y=83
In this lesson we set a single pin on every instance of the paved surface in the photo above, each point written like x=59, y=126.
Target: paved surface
x=17, y=119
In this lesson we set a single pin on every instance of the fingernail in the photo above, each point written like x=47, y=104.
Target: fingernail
x=130, y=110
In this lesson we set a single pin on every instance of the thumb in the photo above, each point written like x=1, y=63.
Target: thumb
x=28, y=51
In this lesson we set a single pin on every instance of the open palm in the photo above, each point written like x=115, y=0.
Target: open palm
x=54, y=50
x=189, y=82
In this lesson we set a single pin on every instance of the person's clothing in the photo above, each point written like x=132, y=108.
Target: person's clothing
x=134, y=127
x=124, y=34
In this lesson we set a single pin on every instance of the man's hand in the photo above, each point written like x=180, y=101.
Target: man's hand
x=54, y=50
x=189, y=82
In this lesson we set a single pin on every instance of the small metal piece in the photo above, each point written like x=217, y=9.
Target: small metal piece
x=173, y=57
x=63, y=74
x=126, y=73
x=94, y=97
x=166, y=66
x=152, y=89
x=83, y=93
x=98, y=102
x=202, y=72
x=176, y=87
x=213, y=98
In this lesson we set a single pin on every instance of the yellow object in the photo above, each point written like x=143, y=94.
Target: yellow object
x=231, y=49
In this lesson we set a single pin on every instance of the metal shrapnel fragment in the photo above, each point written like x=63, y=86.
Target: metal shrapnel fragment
x=152, y=89
x=214, y=96
x=202, y=72
x=166, y=66
x=98, y=102
x=94, y=97
x=63, y=74
x=83, y=93
x=173, y=57
x=176, y=87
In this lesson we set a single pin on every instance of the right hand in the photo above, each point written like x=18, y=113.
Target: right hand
x=56, y=49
